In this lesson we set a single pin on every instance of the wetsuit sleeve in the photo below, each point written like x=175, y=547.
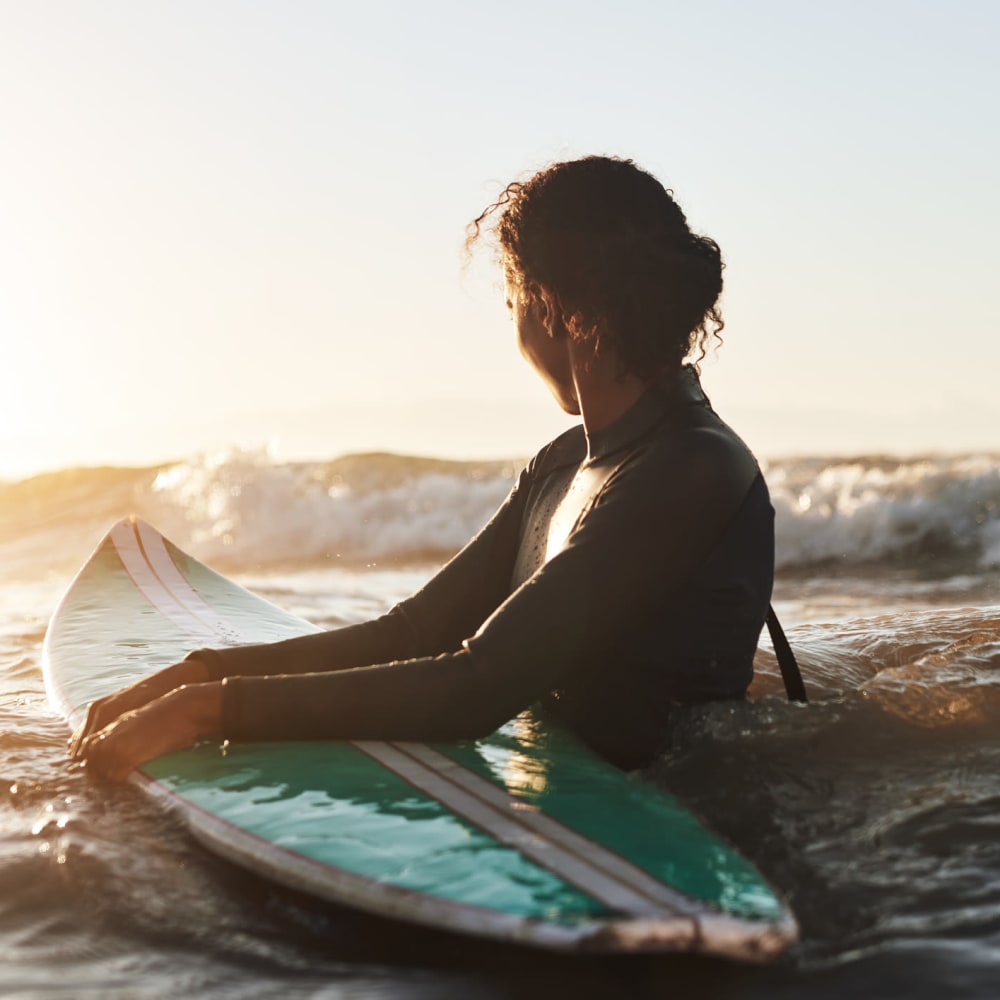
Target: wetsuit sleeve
x=448, y=609
x=642, y=539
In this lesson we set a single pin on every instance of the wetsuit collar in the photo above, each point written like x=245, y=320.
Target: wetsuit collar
x=664, y=397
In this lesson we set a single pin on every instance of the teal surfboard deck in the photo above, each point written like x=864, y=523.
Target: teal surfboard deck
x=524, y=836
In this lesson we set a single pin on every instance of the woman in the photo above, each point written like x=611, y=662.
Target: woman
x=628, y=571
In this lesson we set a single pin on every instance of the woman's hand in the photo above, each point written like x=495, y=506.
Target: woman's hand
x=174, y=721
x=104, y=711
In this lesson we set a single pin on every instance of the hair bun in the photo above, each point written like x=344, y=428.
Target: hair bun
x=609, y=241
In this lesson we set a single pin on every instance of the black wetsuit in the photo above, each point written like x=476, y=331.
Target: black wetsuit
x=623, y=575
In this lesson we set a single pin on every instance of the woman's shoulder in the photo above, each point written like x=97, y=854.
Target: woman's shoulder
x=701, y=448
x=569, y=448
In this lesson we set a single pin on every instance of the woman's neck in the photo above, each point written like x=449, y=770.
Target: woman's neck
x=603, y=393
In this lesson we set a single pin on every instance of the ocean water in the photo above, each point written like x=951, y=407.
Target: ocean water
x=876, y=808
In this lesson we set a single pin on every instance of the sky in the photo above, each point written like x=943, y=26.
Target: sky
x=229, y=222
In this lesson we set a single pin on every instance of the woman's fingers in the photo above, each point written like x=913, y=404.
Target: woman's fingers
x=104, y=711
x=173, y=722
x=114, y=751
x=96, y=719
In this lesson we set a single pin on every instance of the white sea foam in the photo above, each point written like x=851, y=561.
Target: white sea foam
x=370, y=508
x=377, y=507
x=871, y=509
x=991, y=545
x=244, y=510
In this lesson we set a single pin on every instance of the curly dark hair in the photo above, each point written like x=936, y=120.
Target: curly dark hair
x=609, y=242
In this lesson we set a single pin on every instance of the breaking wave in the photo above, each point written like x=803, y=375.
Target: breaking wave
x=244, y=511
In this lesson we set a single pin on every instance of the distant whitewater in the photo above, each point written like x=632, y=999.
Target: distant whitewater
x=243, y=511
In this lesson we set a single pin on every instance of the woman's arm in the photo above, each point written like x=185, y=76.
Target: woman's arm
x=653, y=525
x=646, y=535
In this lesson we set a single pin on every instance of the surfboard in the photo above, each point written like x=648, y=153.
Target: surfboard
x=525, y=836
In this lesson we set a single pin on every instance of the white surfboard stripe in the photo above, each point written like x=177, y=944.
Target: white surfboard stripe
x=598, y=857
x=163, y=566
x=126, y=543
x=575, y=859
x=581, y=862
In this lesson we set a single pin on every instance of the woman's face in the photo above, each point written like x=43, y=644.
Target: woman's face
x=544, y=343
